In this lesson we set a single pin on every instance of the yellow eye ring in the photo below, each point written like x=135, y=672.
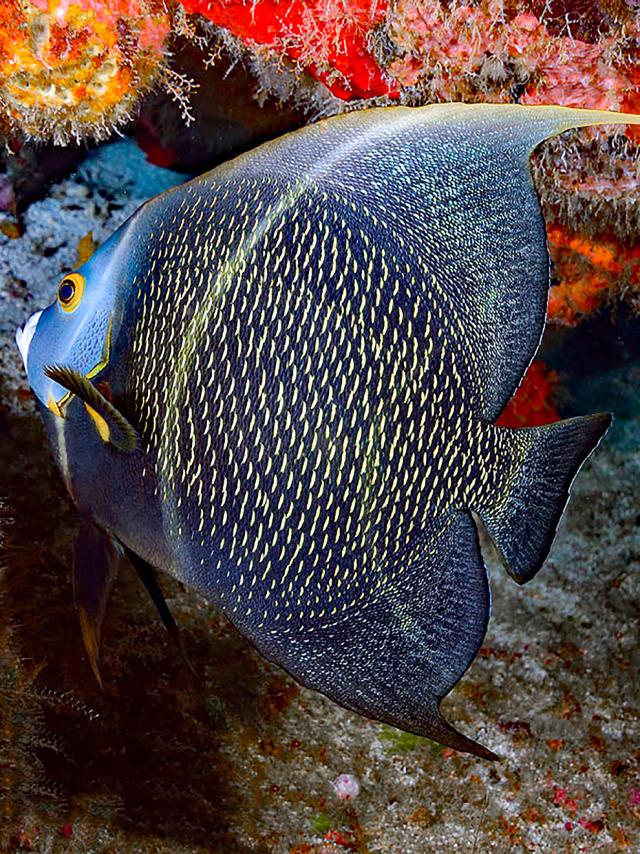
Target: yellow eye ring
x=70, y=292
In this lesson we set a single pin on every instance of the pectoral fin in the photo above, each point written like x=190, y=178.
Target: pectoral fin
x=95, y=567
x=111, y=424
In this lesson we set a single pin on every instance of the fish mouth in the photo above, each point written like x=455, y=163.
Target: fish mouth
x=24, y=335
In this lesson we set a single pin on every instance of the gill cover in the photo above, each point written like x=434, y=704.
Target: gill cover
x=76, y=330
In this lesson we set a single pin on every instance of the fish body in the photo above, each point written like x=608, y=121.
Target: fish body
x=280, y=384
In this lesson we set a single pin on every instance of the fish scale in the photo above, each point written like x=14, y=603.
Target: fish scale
x=407, y=414
x=306, y=351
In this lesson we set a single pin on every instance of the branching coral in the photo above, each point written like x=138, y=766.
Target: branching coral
x=71, y=70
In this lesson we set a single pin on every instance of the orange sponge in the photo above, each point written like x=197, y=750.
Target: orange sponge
x=72, y=69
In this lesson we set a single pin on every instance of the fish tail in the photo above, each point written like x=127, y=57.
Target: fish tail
x=522, y=515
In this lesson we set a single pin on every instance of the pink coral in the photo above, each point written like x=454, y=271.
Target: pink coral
x=482, y=50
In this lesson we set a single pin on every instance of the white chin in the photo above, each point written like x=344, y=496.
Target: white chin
x=24, y=334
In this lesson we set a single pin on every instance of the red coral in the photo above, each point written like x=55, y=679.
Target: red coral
x=533, y=403
x=589, y=271
x=329, y=38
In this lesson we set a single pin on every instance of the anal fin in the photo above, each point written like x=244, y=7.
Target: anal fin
x=396, y=657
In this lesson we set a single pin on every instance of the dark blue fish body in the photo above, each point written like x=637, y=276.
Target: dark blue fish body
x=301, y=359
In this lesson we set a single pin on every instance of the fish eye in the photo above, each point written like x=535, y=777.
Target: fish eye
x=70, y=291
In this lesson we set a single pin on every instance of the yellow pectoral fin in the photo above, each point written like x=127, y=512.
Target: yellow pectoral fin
x=101, y=425
x=111, y=424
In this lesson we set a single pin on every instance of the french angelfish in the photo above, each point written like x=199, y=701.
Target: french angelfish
x=279, y=381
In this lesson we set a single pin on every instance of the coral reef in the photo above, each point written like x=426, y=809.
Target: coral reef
x=589, y=185
x=571, y=52
x=590, y=273
x=75, y=70
x=82, y=65
x=500, y=50
x=584, y=19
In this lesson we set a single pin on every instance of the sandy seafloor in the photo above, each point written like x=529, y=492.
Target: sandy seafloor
x=243, y=760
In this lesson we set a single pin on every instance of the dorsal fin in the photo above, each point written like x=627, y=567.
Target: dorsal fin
x=449, y=187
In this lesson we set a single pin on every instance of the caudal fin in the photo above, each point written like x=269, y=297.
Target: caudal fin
x=523, y=521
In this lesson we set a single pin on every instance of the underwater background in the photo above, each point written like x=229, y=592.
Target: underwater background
x=239, y=758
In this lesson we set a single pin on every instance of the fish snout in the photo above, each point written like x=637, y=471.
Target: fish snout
x=24, y=335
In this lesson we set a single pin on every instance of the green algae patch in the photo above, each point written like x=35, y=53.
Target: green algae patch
x=399, y=741
x=321, y=823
